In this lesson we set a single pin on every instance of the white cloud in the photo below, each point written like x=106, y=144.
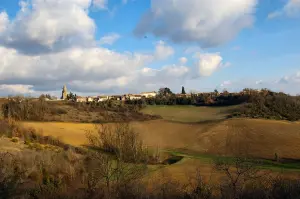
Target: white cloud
x=288, y=84
x=163, y=51
x=127, y=1
x=49, y=71
x=3, y=21
x=207, y=22
x=193, y=49
x=51, y=43
x=175, y=71
x=259, y=82
x=275, y=14
x=226, y=83
x=109, y=39
x=145, y=78
x=16, y=89
x=183, y=60
x=50, y=26
x=101, y=4
x=290, y=9
x=208, y=63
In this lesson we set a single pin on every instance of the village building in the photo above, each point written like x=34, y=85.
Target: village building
x=134, y=97
x=184, y=95
x=149, y=94
x=112, y=97
x=89, y=99
x=124, y=98
x=102, y=98
x=115, y=97
x=80, y=99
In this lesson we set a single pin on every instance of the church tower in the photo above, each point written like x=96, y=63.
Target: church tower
x=64, y=93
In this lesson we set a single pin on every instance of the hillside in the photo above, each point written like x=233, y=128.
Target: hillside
x=190, y=114
x=261, y=138
x=193, y=138
x=27, y=109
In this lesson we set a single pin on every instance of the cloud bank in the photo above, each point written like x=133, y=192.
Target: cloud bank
x=206, y=22
x=51, y=43
x=290, y=9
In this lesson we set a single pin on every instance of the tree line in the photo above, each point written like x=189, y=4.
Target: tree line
x=166, y=97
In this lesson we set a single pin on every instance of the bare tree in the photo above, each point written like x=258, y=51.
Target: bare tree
x=238, y=171
x=12, y=176
x=198, y=188
x=117, y=160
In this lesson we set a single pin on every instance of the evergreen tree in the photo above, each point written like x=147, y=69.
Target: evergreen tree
x=183, y=91
x=164, y=92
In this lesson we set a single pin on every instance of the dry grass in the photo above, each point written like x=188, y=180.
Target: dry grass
x=71, y=133
x=259, y=138
x=6, y=145
x=188, y=135
x=263, y=138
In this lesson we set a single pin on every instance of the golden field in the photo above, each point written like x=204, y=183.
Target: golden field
x=260, y=138
x=203, y=136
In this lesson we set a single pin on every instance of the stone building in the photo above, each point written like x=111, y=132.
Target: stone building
x=149, y=94
x=64, y=93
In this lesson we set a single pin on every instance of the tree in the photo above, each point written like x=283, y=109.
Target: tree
x=164, y=91
x=216, y=91
x=48, y=96
x=225, y=92
x=71, y=96
x=238, y=171
x=42, y=96
x=183, y=91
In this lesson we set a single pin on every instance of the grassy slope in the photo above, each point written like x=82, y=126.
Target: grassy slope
x=188, y=113
x=260, y=138
x=71, y=133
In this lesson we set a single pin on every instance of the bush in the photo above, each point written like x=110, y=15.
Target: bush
x=25, y=109
x=58, y=111
x=15, y=139
x=65, y=174
x=120, y=140
x=272, y=105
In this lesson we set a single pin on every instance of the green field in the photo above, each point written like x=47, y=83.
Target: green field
x=189, y=114
x=261, y=163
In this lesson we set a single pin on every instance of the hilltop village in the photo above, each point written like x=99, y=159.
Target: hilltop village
x=102, y=98
x=207, y=97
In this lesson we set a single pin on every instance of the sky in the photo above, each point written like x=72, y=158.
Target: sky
x=100, y=47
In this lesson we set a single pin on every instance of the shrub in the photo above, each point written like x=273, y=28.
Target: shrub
x=120, y=140
x=25, y=109
x=271, y=106
x=15, y=139
x=12, y=175
x=58, y=111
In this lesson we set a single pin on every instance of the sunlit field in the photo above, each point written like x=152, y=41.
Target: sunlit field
x=193, y=134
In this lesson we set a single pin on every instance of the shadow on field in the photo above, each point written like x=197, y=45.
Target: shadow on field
x=203, y=122
x=172, y=160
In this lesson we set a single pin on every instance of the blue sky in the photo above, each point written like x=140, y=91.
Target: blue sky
x=98, y=46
